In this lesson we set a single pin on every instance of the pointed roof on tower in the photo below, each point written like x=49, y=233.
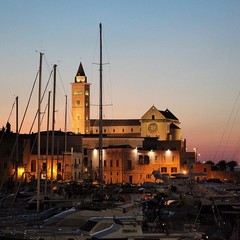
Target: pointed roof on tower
x=80, y=71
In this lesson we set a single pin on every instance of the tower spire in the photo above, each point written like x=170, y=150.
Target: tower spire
x=80, y=76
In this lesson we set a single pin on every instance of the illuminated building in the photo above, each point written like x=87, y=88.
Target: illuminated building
x=156, y=135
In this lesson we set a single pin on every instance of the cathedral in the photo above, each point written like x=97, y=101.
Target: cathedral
x=154, y=123
x=132, y=148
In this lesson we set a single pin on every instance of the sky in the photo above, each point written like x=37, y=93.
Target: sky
x=181, y=55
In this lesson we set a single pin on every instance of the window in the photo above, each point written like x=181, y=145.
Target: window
x=148, y=176
x=140, y=159
x=156, y=158
x=123, y=130
x=78, y=103
x=173, y=158
x=131, y=129
x=85, y=161
x=105, y=163
x=163, y=169
x=59, y=166
x=44, y=166
x=33, y=166
x=146, y=159
x=77, y=92
x=78, y=117
x=129, y=164
x=117, y=163
x=111, y=163
x=96, y=130
x=86, y=92
x=163, y=158
x=153, y=117
x=114, y=130
x=173, y=169
x=204, y=169
x=143, y=159
x=105, y=130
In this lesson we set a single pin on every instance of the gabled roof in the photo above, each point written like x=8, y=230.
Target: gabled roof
x=167, y=114
x=174, y=126
x=80, y=71
x=115, y=122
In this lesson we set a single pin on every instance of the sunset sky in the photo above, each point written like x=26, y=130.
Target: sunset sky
x=181, y=55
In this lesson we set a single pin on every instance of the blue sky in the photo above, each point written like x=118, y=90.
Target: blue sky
x=180, y=55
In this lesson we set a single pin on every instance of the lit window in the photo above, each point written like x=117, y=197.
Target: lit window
x=163, y=169
x=86, y=92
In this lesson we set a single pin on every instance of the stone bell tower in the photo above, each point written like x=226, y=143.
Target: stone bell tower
x=80, y=103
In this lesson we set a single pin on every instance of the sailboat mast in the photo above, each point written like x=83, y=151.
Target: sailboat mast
x=100, y=112
x=53, y=125
x=39, y=130
x=17, y=137
x=65, y=141
x=47, y=141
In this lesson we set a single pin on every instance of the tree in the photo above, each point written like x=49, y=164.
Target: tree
x=232, y=165
x=222, y=165
x=213, y=166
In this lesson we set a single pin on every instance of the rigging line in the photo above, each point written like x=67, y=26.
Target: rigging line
x=236, y=149
x=230, y=131
x=226, y=126
x=61, y=81
x=29, y=99
x=7, y=121
x=46, y=62
x=41, y=102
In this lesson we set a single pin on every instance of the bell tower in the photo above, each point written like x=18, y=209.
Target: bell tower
x=80, y=103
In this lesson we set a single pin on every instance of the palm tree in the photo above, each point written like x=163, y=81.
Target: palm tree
x=232, y=165
x=222, y=165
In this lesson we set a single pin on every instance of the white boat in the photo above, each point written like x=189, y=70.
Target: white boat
x=108, y=227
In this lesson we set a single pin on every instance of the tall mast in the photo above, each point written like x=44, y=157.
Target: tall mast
x=100, y=112
x=39, y=130
x=47, y=141
x=17, y=137
x=53, y=125
x=65, y=141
